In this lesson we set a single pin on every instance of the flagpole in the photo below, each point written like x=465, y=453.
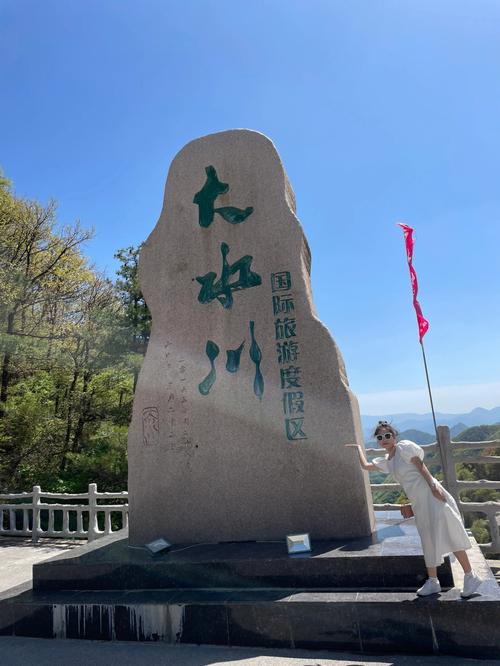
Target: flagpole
x=441, y=452
x=423, y=326
x=429, y=389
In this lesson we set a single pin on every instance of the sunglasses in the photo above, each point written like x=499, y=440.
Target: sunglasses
x=387, y=435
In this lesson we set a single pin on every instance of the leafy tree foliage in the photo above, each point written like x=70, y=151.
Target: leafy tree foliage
x=136, y=317
x=71, y=344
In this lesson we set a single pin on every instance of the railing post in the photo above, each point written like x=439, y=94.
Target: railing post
x=36, y=514
x=93, y=525
x=449, y=469
x=494, y=532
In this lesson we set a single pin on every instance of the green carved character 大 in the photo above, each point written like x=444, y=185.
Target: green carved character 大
x=205, y=200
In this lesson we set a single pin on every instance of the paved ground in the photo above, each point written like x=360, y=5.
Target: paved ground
x=42, y=652
x=19, y=554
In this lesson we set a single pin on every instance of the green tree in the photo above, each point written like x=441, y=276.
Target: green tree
x=66, y=385
x=39, y=270
x=136, y=315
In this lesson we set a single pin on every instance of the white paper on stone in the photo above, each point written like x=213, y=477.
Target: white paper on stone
x=254, y=452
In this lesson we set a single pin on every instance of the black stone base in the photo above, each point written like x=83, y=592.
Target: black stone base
x=345, y=596
x=390, y=559
x=363, y=622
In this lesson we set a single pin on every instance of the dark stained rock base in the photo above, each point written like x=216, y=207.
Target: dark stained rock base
x=390, y=559
x=252, y=596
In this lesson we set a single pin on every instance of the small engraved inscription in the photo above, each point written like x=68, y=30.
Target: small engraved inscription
x=150, y=426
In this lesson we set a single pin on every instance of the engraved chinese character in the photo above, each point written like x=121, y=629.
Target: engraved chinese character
x=290, y=377
x=294, y=429
x=281, y=281
x=150, y=426
x=233, y=363
x=285, y=328
x=293, y=402
x=283, y=304
x=206, y=197
x=185, y=441
x=287, y=351
x=222, y=289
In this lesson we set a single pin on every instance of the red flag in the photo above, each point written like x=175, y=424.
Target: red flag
x=423, y=324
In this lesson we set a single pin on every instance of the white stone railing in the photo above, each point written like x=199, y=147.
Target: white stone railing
x=85, y=516
x=490, y=509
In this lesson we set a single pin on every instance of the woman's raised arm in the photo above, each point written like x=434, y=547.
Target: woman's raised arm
x=362, y=458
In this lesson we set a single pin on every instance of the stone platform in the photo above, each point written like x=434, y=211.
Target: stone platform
x=391, y=559
x=356, y=595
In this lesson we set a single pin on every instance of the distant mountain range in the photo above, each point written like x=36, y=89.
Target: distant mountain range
x=424, y=423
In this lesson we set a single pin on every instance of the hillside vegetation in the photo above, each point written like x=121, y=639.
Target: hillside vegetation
x=71, y=343
x=474, y=471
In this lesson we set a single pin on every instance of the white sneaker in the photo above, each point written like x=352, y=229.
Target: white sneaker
x=471, y=583
x=431, y=586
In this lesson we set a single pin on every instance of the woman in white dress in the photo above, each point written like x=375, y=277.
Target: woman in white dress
x=437, y=517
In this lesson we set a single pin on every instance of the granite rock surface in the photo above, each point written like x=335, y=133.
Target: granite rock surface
x=242, y=406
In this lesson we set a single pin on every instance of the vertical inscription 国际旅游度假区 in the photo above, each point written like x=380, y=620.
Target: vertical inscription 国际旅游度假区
x=287, y=351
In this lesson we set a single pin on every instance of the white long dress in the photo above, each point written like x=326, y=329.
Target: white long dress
x=439, y=523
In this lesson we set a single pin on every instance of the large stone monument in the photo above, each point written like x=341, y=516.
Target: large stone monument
x=240, y=416
x=242, y=405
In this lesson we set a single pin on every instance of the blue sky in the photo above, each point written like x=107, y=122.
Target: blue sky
x=381, y=111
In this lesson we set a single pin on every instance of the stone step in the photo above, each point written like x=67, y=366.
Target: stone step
x=341, y=573
x=390, y=622
x=390, y=559
x=344, y=595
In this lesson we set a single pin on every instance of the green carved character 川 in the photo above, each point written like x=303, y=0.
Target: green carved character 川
x=233, y=363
